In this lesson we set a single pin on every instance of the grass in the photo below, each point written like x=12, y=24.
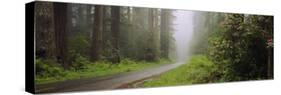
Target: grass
x=88, y=69
x=199, y=69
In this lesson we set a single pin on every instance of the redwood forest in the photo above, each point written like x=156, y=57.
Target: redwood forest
x=98, y=47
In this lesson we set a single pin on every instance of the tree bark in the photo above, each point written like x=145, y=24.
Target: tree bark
x=60, y=17
x=97, y=33
x=270, y=69
x=115, y=29
x=164, y=39
x=151, y=48
x=45, y=38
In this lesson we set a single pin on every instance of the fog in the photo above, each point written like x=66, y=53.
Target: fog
x=183, y=25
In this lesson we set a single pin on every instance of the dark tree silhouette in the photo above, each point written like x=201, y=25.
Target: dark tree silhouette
x=60, y=17
x=115, y=29
x=97, y=33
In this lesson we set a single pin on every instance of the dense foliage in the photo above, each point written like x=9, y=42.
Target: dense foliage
x=232, y=47
x=72, y=38
x=240, y=47
x=77, y=41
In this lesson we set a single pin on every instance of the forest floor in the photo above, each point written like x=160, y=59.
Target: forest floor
x=106, y=82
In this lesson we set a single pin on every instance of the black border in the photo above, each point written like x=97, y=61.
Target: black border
x=29, y=47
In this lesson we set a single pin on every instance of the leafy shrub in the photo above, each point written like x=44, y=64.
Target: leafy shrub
x=240, y=47
x=48, y=68
x=201, y=69
x=80, y=62
x=79, y=44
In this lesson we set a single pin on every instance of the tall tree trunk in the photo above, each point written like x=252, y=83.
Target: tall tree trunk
x=164, y=39
x=156, y=34
x=60, y=17
x=97, y=34
x=270, y=69
x=44, y=21
x=126, y=35
x=89, y=21
x=115, y=29
x=151, y=49
x=104, y=29
x=131, y=40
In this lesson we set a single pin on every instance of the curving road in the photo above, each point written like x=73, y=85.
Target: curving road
x=104, y=83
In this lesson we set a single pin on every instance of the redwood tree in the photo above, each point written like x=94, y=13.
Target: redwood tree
x=60, y=21
x=115, y=29
x=164, y=35
x=97, y=33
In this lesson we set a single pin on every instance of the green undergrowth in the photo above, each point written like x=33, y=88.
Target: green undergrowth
x=47, y=71
x=199, y=69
